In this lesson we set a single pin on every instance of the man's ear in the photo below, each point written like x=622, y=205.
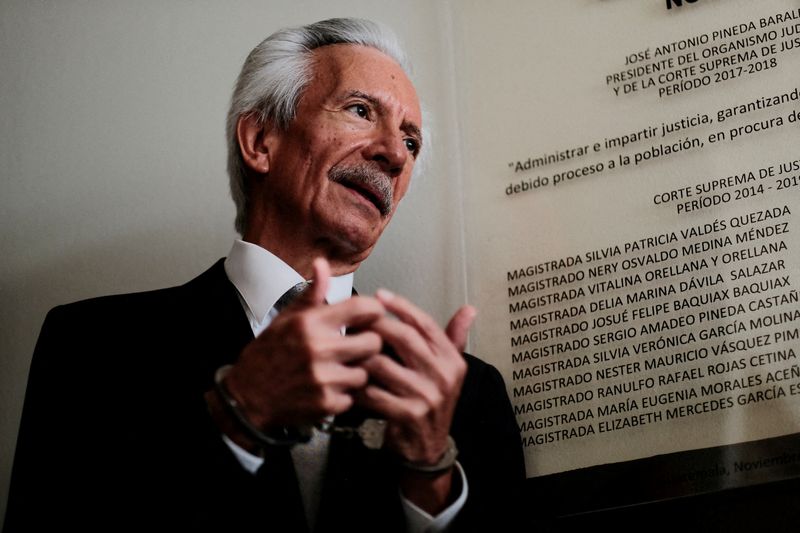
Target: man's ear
x=254, y=142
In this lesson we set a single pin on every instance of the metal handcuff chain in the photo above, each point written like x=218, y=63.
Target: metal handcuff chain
x=371, y=431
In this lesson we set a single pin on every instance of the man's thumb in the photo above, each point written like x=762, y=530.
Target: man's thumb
x=458, y=328
x=315, y=295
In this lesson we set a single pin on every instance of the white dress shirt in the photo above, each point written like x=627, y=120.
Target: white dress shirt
x=261, y=278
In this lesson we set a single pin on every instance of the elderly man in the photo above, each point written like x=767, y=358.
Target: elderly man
x=263, y=395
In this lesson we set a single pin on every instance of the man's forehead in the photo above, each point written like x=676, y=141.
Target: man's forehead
x=349, y=68
x=343, y=56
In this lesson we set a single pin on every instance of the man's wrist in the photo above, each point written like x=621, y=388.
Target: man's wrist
x=227, y=424
x=282, y=436
x=432, y=494
x=443, y=465
x=419, y=520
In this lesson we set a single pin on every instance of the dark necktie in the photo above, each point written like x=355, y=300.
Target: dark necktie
x=290, y=295
x=277, y=474
x=282, y=493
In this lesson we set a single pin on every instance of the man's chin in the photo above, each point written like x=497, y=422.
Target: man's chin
x=357, y=234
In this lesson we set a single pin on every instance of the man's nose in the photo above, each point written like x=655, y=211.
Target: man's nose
x=389, y=150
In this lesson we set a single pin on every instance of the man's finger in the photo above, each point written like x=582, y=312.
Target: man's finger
x=314, y=294
x=458, y=328
x=410, y=314
x=321, y=278
x=394, y=377
x=352, y=313
x=408, y=344
x=342, y=377
x=353, y=348
x=382, y=402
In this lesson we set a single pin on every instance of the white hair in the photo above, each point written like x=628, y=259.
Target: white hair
x=274, y=76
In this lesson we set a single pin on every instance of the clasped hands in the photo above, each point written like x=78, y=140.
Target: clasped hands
x=301, y=368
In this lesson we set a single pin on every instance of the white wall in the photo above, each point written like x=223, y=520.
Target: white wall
x=112, y=157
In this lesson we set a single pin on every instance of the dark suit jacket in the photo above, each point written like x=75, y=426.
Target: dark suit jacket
x=115, y=433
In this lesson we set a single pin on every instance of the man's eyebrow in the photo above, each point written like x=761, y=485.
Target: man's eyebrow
x=413, y=130
x=409, y=127
x=364, y=96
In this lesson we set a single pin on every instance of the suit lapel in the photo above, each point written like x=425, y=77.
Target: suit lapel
x=216, y=321
x=223, y=331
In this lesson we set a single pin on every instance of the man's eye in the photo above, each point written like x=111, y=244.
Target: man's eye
x=412, y=146
x=359, y=109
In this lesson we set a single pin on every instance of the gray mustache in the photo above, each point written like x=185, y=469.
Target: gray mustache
x=367, y=177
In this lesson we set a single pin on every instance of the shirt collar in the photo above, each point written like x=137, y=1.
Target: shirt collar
x=261, y=278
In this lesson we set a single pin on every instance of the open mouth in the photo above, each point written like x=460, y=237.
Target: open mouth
x=367, y=193
x=367, y=182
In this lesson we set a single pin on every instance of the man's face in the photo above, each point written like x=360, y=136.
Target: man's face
x=338, y=171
